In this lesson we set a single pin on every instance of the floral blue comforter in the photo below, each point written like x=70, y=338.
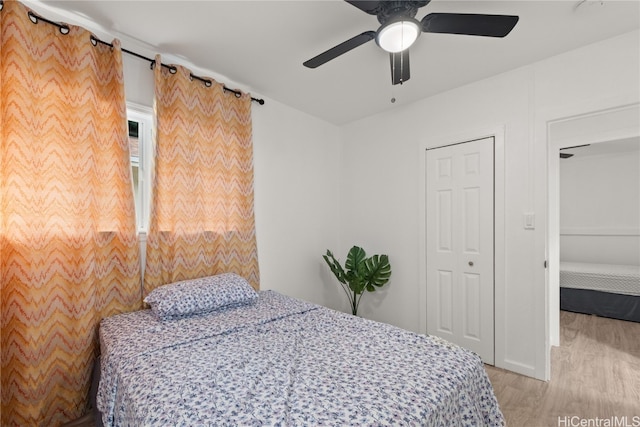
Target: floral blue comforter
x=285, y=362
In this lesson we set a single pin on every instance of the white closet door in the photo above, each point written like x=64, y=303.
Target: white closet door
x=460, y=257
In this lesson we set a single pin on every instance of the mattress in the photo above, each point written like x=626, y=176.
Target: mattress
x=282, y=361
x=618, y=279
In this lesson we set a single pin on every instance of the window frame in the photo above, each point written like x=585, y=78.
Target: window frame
x=143, y=115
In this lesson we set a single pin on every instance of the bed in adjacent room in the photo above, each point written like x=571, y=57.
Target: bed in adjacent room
x=606, y=290
x=276, y=360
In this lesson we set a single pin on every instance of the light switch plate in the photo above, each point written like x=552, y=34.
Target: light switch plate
x=529, y=221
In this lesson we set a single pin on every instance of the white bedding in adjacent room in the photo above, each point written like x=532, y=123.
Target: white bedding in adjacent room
x=618, y=279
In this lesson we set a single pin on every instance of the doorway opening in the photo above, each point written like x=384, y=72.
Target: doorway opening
x=586, y=232
x=600, y=229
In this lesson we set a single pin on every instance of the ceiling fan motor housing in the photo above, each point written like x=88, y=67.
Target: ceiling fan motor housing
x=390, y=10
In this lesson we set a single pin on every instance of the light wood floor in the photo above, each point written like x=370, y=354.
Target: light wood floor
x=594, y=373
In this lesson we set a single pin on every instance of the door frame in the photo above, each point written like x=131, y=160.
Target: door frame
x=499, y=324
x=602, y=126
x=547, y=170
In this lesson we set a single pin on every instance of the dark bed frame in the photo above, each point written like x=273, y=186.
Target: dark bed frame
x=604, y=304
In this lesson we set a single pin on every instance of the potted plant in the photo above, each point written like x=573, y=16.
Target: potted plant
x=359, y=273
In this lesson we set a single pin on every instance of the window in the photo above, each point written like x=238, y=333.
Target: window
x=140, y=146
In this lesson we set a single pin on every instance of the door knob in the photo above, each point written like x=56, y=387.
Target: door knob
x=470, y=263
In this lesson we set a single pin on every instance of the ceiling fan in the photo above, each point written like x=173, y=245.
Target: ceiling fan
x=399, y=30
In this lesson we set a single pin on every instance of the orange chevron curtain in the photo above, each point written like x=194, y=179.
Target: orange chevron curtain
x=202, y=218
x=69, y=254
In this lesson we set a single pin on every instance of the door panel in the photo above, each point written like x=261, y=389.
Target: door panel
x=444, y=221
x=471, y=212
x=460, y=286
x=445, y=292
x=471, y=290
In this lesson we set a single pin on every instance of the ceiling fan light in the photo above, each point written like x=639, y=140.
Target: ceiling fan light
x=398, y=35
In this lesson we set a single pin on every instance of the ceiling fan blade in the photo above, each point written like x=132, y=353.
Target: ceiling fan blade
x=370, y=7
x=469, y=24
x=399, y=67
x=338, y=50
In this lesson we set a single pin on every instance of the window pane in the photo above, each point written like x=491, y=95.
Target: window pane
x=134, y=148
x=140, y=126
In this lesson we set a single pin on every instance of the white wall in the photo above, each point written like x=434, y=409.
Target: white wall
x=383, y=158
x=296, y=160
x=381, y=179
x=600, y=208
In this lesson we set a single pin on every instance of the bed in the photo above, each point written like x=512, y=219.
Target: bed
x=283, y=361
x=606, y=290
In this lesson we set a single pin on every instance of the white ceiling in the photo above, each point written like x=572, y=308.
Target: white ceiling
x=261, y=45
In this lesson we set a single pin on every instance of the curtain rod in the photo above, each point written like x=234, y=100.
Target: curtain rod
x=64, y=29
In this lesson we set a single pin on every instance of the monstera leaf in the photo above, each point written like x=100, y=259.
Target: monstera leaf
x=377, y=271
x=335, y=267
x=355, y=257
x=359, y=273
